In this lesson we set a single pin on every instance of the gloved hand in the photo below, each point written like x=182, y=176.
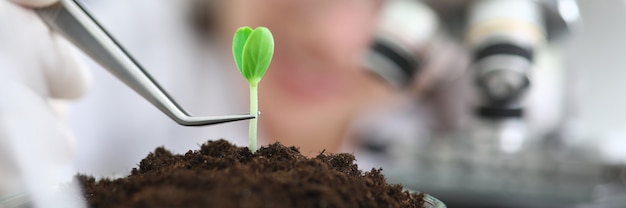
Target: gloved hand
x=36, y=66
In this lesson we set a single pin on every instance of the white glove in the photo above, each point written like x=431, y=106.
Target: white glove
x=36, y=66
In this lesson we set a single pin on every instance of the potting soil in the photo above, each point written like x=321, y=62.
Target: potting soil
x=223, y=175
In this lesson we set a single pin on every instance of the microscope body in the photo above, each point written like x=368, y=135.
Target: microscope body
x=491, y=43
x=505, y=42
x=495, y=158
x=501, y=37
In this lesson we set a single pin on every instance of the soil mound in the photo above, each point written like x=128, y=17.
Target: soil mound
x=223, y=175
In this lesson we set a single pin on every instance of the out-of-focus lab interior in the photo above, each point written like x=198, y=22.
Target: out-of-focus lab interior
x=480, y=103
x=529, y=120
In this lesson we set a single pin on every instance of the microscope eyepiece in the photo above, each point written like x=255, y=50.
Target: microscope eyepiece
x=503, y=48
x=393, y=64
x=502, y=79
x=402, y=37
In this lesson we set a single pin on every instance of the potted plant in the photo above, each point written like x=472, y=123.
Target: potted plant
x=221, y=174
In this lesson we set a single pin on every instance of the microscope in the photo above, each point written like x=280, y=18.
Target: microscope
x=501, y=155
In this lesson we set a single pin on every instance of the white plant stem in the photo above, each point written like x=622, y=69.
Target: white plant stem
x=254, y=109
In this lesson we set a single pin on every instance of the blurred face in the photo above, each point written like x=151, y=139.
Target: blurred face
x=315, y=83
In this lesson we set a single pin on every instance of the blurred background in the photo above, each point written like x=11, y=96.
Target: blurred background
x=481, y=103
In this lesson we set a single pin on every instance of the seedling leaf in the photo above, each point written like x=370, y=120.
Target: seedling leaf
x=239, y=41
x=257, y=54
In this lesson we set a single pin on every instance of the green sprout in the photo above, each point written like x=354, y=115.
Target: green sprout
x=253, y=51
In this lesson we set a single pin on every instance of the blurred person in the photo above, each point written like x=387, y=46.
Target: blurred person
x=312, y=91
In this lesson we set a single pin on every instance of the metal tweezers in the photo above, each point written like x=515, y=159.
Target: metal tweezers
x=70, y=19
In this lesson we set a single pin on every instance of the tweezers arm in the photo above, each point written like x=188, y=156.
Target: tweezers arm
x=71, y=20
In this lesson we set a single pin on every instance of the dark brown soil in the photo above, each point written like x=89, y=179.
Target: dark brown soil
x=223, y=175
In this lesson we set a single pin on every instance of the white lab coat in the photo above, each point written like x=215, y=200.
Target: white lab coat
x=115, y=128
